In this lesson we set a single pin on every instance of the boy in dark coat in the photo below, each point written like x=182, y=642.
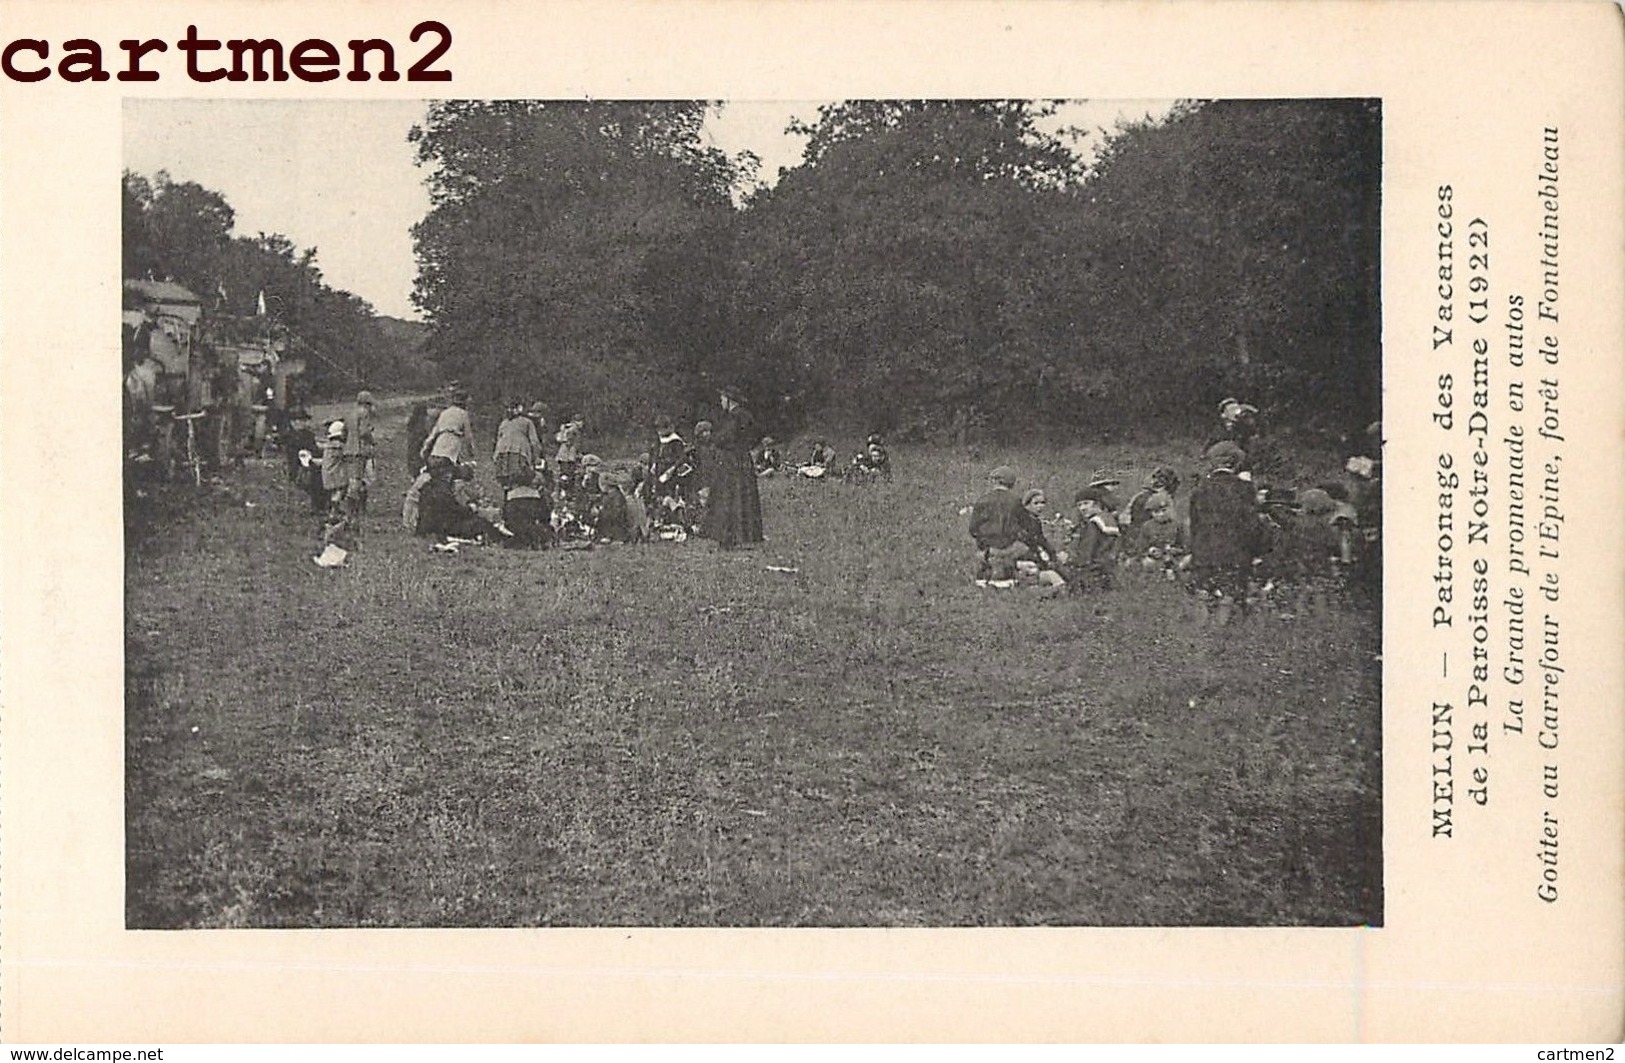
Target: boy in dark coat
x=995, y=526
x=527, y=513
x=1225, y=530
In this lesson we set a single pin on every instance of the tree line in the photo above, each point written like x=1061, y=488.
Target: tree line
x=183, y=232
x=929, y=267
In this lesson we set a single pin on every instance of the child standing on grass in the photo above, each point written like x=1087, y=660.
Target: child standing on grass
x=418, y=423
x=1225, y=530
x=334, y=473
x=339, y=526
x=450, y=441
x=518, y=448
x=670, y=466
x=359, y=443
x=568, y=455
x=820, y=459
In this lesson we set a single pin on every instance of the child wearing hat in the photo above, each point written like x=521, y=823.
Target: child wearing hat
x=670, y=466
x=335, y=476
x=340, y=525
x=1093, y=547
x=1159, y=539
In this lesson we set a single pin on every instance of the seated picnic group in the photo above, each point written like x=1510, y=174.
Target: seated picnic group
x=1246, y=540
x=1246, y=537
x=573, y=501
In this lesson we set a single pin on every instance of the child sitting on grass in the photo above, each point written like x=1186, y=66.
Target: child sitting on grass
x=767, y=458
x=611, y=516
x=528, y=516
x=446, y=506
x=995, y=527
x=871, y=463
x=568, y=438
x=1043, y=560
x=819, y=459
x=1093, y=547
x=1303, y=567
x=1159, y=538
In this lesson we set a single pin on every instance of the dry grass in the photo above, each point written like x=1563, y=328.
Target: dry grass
x=673, y=735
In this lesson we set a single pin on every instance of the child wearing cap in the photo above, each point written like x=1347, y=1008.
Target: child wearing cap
x=1164, y=480
x=1226, y=533
x=995, y=527
x=1307, y=545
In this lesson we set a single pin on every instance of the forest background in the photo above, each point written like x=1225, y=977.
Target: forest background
x=938, y=270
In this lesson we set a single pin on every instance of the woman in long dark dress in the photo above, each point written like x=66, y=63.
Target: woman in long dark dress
x=733, y=514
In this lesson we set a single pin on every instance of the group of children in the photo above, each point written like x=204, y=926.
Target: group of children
x=1246, y=540
x=571, y=500
x=869, y=463
x=336, y=473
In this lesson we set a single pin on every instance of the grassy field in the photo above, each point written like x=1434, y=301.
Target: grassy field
x=673, y=735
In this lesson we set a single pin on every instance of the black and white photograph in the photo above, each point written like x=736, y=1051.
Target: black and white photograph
x=735, y=513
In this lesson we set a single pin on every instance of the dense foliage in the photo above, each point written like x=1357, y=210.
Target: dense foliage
x=181, y=231
x=929, y=265
x=580, y=251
